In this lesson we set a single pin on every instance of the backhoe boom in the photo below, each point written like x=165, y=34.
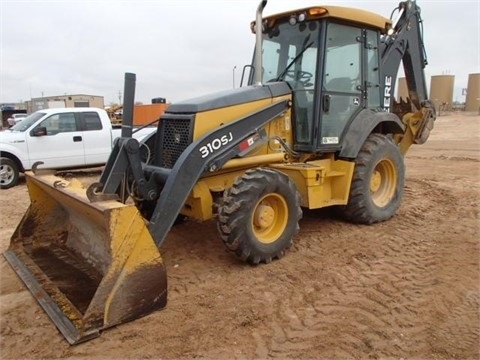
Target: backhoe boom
x=405, y=45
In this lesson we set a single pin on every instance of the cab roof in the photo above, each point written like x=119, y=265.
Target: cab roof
x=353, y=15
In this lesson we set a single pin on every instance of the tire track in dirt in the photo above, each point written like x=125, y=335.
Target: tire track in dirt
x=453, y=312
x=375, y=303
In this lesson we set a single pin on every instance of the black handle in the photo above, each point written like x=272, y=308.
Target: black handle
x=77, y=138
x=326, y=103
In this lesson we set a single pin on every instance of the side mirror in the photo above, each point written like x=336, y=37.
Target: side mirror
x=39, y=131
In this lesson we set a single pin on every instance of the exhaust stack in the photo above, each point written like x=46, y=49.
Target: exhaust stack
x=258, y=43
x=128, y=104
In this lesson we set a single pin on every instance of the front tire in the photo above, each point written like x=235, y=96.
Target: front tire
x=259, y=215
x=9, y=173
x=378, y=181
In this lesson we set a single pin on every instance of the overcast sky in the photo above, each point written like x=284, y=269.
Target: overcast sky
x=180, y=49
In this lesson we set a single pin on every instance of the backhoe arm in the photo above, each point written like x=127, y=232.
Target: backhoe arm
x=404, y=43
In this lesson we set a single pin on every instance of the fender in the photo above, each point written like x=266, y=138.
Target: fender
x=363, y=125
x=17, y=155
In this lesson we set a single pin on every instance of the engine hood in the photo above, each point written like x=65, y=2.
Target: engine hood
x=229, y=98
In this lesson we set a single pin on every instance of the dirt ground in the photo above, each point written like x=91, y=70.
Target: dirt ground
x=408, y=288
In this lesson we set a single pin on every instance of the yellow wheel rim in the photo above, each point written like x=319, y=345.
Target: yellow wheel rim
x=383, y=183
x=270, y=218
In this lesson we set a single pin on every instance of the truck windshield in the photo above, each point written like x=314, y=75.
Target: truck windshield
x=289, y=53
x=27, y=122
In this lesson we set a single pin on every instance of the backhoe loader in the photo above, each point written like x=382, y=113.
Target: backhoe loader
x=316, y=125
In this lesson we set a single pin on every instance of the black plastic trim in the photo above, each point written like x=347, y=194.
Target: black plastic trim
x=363, y=125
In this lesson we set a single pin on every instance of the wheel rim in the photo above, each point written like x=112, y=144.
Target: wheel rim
x=270, y=218
x=6, y=174
x=383, y=183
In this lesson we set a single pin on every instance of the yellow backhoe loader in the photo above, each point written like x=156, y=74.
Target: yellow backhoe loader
x=315, y=125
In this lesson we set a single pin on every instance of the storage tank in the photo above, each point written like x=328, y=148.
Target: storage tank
x=473, y=93
x=402, y=92
x=441, y=91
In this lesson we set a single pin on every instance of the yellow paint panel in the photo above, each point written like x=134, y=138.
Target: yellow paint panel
x=321, y=183
x=209, y=120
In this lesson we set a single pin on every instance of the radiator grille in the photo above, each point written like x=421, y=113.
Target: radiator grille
x=177, y=135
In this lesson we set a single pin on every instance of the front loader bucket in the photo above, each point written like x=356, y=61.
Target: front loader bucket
x=89, y=265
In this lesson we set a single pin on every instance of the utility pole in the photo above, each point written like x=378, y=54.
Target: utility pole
x=233, y=75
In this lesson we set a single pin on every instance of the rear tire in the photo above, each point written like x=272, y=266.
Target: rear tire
x=9, y=173
x=259, y=215
x=378, y=180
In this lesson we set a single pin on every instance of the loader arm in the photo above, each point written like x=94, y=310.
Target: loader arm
x=193, y=163
x=172, y=186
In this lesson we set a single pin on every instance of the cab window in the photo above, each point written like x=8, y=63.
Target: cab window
x=92, y=121
x=59, y=123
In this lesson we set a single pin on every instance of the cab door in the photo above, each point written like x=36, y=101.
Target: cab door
x=57, y=141
x=97, y=140
x=341, y=96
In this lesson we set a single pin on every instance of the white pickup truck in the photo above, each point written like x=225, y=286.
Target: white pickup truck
x=65, y=138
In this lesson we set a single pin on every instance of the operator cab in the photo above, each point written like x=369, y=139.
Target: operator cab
x=329, y=56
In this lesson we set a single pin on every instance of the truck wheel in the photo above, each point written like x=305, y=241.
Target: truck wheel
x=378, y=179
x=259, y=215
x=8, y=173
